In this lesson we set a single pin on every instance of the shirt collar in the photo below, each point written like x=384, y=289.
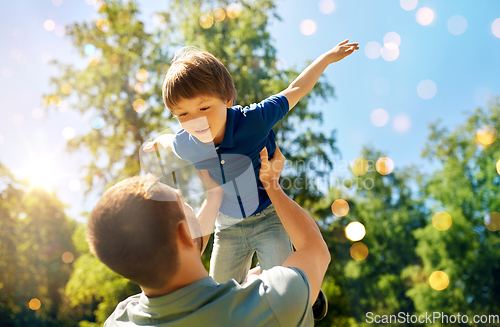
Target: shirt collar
x=228, y=141
x=186, y=293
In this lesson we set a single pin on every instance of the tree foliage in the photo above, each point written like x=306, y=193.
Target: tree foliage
x=34, y=234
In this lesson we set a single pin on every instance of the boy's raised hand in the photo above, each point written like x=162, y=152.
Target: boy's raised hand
x=341, y=50
x=164, y=141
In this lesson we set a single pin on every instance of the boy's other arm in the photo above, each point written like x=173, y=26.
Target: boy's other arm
x=308, y=78
x=165, y=141
x=312, y=255
x=210, y=207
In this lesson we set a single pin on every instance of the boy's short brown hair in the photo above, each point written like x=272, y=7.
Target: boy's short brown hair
x=134, y=235
x=195, y=72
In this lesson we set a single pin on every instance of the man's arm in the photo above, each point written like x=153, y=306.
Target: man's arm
x=308, y=78
x=312, y=255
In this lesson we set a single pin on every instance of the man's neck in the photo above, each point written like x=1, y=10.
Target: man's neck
x=188, y=273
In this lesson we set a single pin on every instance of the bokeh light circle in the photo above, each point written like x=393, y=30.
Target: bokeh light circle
x=93, y=60
x=427, y=89
x=408, y=4
x=66, y=88
x=114, y=60
x=498, y=166
x=142, y=75
x=379, y=117
x=424, y=16
x=359, y=166
x=326, y=6
x=373, y=49
x=495, y=27
x=392, y=40
x=439, y=280
x=359, y=251
x=233, y=10
x=492, y=221
x=89, y=49
x=384, y=166
x=68, y=133
x=402, y=123
x=140, y=88
x=97, y=123
x=74, y=185
x=339, y=234
x=307, y=27
x=355, y=231
x=486, y=134
x=140, y=105
x=37, y=113
x=49, y=25
x=206, y=21
x=457, y=25
x=219, y=14
x=103, y=25
x=123, y=17
x=340, y=207
x=441, y=221
x=390, y=54
x=67, y=257
x=35, y=304
x=100, y=6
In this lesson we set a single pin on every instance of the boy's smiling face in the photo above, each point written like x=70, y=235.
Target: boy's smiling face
x=204, y=117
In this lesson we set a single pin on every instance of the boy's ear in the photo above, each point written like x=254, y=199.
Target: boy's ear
x=229, y=103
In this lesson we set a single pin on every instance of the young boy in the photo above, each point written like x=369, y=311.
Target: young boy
x=226, y=140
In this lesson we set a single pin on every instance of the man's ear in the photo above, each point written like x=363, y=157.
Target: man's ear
x=183, y=234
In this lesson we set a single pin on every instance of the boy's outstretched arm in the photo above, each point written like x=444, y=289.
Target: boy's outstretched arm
x=308, y=78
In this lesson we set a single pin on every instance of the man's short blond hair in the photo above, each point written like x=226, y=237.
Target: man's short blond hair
x=194, y=72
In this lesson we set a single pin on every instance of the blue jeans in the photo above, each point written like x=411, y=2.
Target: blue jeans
x=237, y=239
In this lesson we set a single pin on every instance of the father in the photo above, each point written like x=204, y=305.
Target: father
x=150, y=242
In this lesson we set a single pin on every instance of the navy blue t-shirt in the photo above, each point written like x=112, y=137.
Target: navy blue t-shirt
x=235, y=162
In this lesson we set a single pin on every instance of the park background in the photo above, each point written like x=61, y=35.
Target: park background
x=80, y=85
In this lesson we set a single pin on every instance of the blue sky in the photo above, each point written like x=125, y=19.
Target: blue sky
x=464, y=68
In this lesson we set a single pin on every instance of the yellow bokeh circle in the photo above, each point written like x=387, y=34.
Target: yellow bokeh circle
x=441, y=220
x=142, y=75
x=486, y=134
x=206, y=21
x=219, y=14
x=439, y=280
x=34, y=304
x=492, y=221
x=340, y=208
x=140, y=105
x=114, y=60
x=67, y=257
x=384, y=166
x=359, y=251
x=498, y=166
x=66, y=88
x=359, y=166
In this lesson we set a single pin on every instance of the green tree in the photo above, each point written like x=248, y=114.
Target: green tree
x=391, y=210
x=34, y=235
x=465, y=186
